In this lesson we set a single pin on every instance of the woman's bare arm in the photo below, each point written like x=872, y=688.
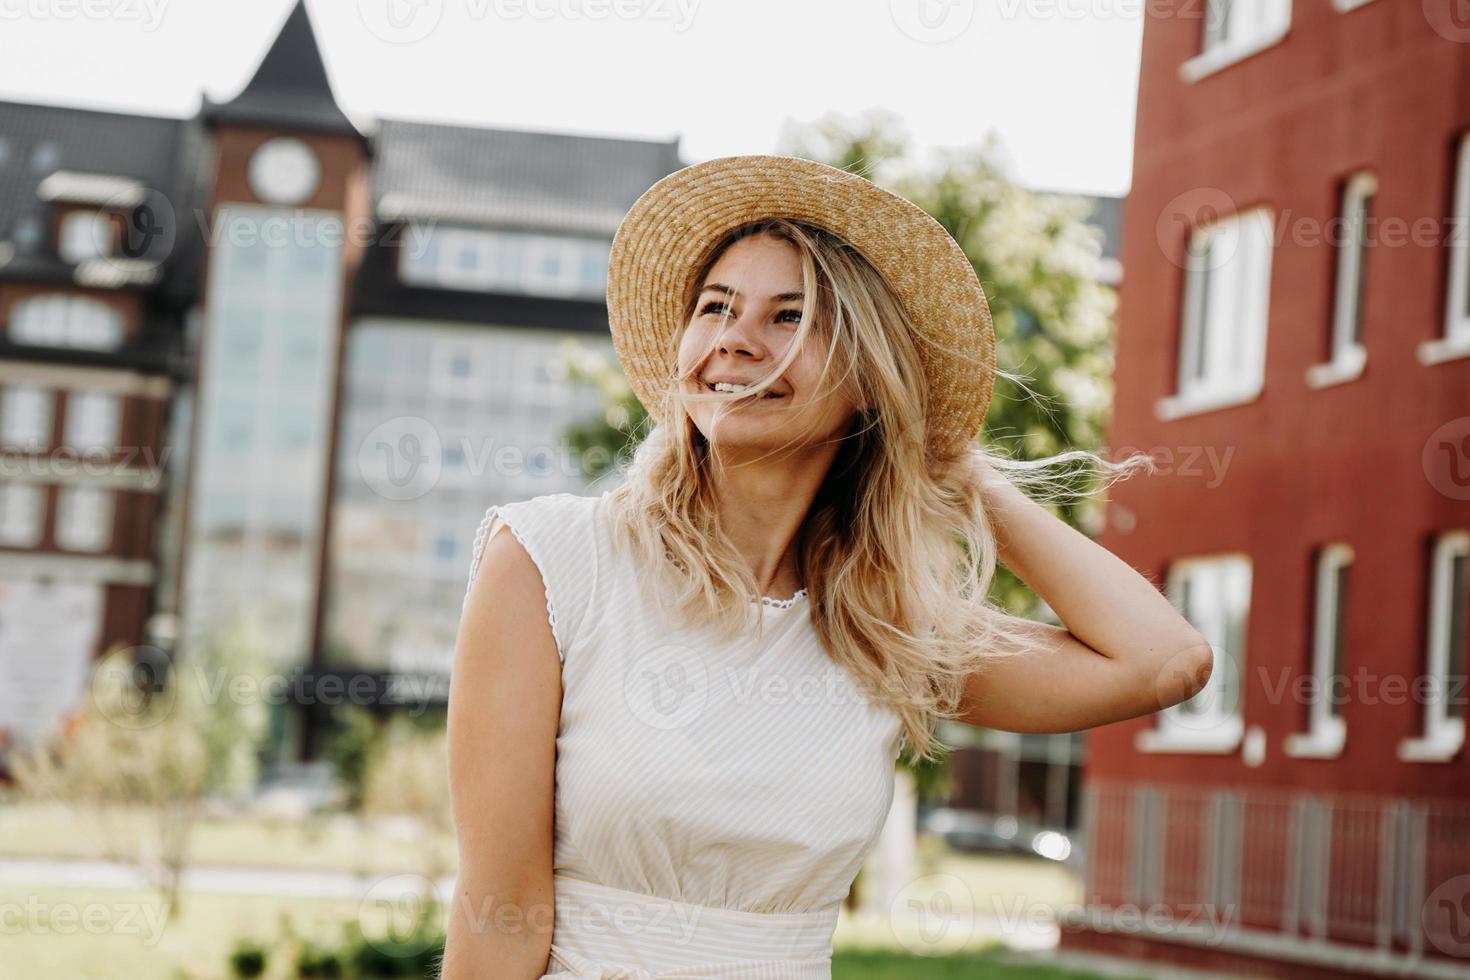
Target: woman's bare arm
x=504, y=707
x=1125, y=650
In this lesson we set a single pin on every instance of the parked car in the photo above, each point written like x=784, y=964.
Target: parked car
x=969, y=830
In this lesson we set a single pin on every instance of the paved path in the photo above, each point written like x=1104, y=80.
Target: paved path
x=226, y=880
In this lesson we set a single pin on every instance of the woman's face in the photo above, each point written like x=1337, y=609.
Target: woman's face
x=746, y=315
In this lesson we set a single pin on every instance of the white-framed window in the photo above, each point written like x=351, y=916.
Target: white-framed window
x=91, y=420
x=83, y=518
x=1454, y=338
x=1236, y=29
x=1348, y=356
x=1222, y=337
x=1444, y=656
x=59, y=320
x=21, y=508
x=1326, y=731
x=25, y=417
x=503, y=260
x=1213, y=593
x=85, y=235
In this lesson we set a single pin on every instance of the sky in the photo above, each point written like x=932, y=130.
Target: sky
x=1055, y=79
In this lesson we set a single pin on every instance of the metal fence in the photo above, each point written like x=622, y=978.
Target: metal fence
x=1387, y=873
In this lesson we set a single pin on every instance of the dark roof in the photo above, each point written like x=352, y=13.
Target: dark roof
x=38, y=140
x=547, y=181
x=289, y=90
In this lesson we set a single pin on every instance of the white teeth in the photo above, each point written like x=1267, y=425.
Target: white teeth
x=737, y=389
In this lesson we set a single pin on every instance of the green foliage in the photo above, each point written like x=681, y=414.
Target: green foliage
x=601, y=441
x=354, y=743
x=318, y=961
x=249, y=958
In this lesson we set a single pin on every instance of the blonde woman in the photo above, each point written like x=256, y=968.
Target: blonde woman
x=675, y=707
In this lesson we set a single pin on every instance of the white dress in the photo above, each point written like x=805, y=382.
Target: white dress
x=714, y=800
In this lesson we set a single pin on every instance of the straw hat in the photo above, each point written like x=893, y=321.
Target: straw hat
x=673, y=227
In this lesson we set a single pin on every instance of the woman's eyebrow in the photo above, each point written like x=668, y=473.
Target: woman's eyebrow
x=720, y=287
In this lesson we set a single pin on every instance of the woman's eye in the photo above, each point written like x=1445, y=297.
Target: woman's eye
x=716, y=306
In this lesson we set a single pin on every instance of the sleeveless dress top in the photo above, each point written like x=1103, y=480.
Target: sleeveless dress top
x=714, y=798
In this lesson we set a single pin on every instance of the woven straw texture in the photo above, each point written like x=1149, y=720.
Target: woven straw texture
x=675, y=224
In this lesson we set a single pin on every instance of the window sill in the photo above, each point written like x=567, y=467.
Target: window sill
x=1444, y=349
x=1222, y=740
x=1178, y=406
x=1209, y=62
x=1323, y=744
x=1440, y=746
x=1347, y=366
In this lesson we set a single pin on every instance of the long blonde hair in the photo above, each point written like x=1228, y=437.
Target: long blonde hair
x=897, y=552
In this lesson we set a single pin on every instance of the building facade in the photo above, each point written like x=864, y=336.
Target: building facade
x=1294, y=350
x=262, y=370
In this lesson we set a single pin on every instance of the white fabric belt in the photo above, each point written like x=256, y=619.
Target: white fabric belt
x=604, y=933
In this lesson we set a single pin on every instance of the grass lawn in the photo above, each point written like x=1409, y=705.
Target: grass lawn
x=102, y=934
x=330, y=843
x=962, y=966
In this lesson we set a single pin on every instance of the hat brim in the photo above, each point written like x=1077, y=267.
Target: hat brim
x=672, y=227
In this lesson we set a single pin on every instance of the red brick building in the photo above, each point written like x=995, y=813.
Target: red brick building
x=1294, y=348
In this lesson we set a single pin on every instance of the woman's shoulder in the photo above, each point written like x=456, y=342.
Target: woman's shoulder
x=551, y=509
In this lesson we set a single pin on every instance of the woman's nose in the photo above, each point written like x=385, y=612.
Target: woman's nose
x=737, y=335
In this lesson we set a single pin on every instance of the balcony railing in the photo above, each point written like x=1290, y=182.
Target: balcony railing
x=1312, y=875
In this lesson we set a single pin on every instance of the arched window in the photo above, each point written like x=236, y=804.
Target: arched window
x=59, y=320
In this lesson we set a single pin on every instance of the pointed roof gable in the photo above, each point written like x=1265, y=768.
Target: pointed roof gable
x=290, y=88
